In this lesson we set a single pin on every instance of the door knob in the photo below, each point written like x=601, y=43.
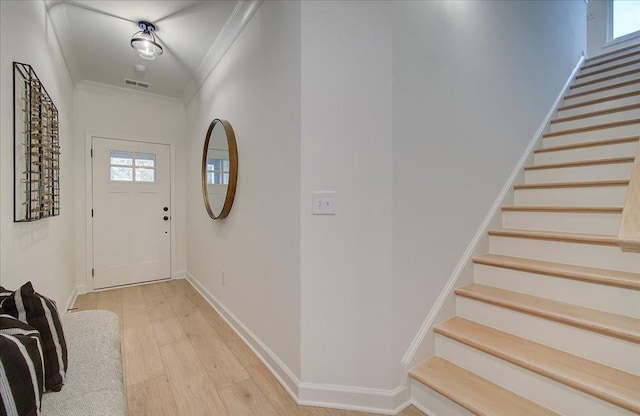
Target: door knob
x=165, y=209
x=165, y=218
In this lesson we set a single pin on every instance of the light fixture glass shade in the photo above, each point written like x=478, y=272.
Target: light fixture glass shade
x=145, y=42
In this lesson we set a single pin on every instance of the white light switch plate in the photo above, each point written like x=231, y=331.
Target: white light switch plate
x=324, y=203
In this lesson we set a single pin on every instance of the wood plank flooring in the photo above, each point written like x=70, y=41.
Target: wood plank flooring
x=181, y=358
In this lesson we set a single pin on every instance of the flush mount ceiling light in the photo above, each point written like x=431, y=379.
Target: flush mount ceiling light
x=145, y=42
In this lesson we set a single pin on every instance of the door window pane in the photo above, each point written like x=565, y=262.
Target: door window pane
x=121, y=173
x=146, y=160
x=145, y=175
x=132, y=167
x=121, y=158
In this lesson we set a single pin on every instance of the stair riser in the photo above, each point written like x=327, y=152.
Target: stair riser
x=539, y=389
x=433, y=402
x=609, y=72
x=599, y=84
x=606, y=105
x=570, y=222
x=576, y=341
x=587, y=153
x=593, y=121
x=615, y=171
x=590, y=295
x=598, y=196
x=592, y=136
x=590, y=255
x=609, y=65
x=597, y=95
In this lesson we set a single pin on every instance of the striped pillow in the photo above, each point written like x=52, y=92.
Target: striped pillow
x=41, y=313
x=21, y=368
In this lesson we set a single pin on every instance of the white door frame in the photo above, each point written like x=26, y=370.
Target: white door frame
x=89, y=202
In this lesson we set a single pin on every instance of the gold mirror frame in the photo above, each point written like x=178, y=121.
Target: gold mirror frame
x=233, y=169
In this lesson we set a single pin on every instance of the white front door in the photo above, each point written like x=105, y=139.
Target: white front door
x=131, y=212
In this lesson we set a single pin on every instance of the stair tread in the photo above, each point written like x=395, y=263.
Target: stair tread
x=599, y=100
x=596, y=113
x=612, y=385
x=601, y=89
x=607, y=69
x=602, y=239
x=608, y=142
x=601, y=126
x=620, y=54
x=576, y=184
x=590, y=162
x=569, y=271
x=568, y=209
x=610, y=324
x=605, y=78
x=473, y=392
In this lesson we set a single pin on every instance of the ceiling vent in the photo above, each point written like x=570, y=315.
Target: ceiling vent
x=135, y=83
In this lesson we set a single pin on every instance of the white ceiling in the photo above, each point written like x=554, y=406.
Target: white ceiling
x=95, y=36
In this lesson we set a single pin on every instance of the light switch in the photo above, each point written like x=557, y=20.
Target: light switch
x=324, y=203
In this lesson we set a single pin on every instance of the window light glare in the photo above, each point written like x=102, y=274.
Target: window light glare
x=626, y=17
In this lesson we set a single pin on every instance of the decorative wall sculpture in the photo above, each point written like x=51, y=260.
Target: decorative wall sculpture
x=36, y=151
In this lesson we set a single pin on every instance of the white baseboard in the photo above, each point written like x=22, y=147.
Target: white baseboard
x=310, y=394
x=358, y=399
x=71, y=300
x=446, y=295
x=179, y=275
x=280, y=371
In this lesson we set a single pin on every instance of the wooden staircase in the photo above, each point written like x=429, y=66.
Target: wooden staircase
x=551, y=323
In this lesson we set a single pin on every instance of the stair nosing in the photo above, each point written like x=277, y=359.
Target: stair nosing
x=424, y=373
x=605, y=78
x=601, y=126
x=599, y=100
x=601, y=89
x=536, y=363
x=585, y=184
x=574, y=318
x=607, y=69
x=595, y=239
x=561, y=270
x=596, y=113
x=582, y=145
x=579, y=163
x=561, y=209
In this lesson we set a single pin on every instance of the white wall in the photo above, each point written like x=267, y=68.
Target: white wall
x=119, y=113
x=41, y=251
x=346, y=148
x=597, y=30
x=472, y=82
x=256, y=87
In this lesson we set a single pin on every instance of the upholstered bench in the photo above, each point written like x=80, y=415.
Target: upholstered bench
x=94, y=383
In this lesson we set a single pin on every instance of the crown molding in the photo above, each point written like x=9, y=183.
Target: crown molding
x=241, y=15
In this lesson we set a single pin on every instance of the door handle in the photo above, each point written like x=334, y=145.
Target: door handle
x=165, y=218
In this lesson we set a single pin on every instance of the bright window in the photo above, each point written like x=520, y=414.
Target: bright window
x=132, y=167
x=625, y=17
x=218, y=171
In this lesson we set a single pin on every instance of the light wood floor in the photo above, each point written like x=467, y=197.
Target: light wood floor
x=181, y=358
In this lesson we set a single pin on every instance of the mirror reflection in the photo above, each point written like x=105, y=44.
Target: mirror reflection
x=219, y=169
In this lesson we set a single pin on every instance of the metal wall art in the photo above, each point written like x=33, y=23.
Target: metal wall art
x=36, y=148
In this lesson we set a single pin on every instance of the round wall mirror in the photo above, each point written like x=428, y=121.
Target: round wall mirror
x=219, y=169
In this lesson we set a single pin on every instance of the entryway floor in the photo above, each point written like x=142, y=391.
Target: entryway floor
x=181, y=358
